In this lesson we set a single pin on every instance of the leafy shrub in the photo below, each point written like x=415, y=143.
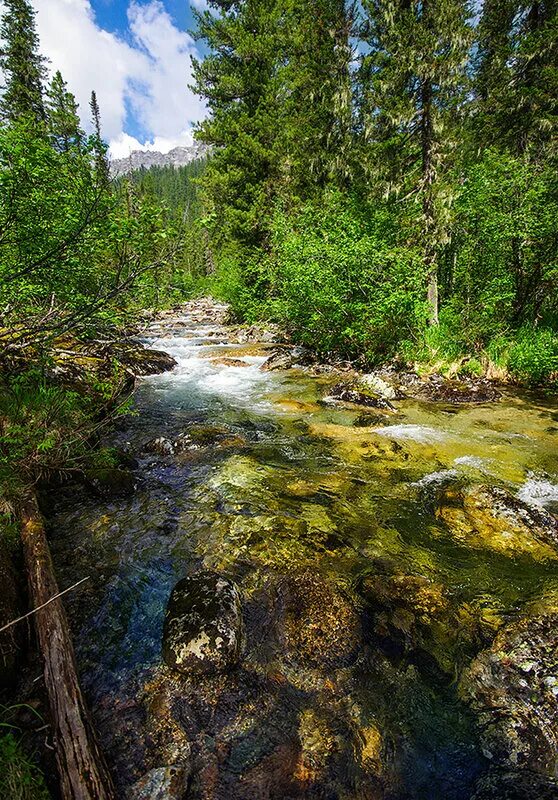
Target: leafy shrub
x=533, y=357
x=341, y=282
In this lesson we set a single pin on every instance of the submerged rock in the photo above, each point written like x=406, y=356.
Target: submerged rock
x=111, y=482
x=513, y=688
x=203, y=624
x=515, y=785
x=318, y=624
x=229, y=362
x=485, y=516
x=162, y=783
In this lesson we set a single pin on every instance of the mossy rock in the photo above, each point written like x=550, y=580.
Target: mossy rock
x=109, y=482
x=492, y=518
x=513, y=688
x=203, y=625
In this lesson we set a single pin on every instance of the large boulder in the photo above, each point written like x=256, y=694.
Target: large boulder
x=513, y=688
x=491, y=517
x=203, y=624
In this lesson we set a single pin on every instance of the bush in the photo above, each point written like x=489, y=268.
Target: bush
x=341, y=283
x=533, y=357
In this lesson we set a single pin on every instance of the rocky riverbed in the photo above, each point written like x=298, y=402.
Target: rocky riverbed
x=318, y=584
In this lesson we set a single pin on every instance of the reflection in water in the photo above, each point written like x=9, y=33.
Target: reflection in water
x=271, y=485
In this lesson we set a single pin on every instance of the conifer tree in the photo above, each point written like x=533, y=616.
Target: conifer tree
x=21, y=63
x=317, y=105
x=99, y=147
x=517, y=75
x=63, y=120
x=238, y=80
x=414, y=80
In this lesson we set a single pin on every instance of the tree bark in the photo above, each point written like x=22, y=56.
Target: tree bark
x=82, y=770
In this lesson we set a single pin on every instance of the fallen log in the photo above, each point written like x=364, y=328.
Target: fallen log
x=83, y=772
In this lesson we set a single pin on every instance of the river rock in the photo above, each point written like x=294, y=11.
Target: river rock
x=144, y=361
x=467, y=390
x=513, y=688
x=515, y=785
x=488, y=516
x=318, y=624
x=373, y=382
x=109, y=482
x=203, y=624
x=162, y=783
x=356, y=394
x=287, y=358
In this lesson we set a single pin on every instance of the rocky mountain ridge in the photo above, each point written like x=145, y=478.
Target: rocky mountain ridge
x=144, y=159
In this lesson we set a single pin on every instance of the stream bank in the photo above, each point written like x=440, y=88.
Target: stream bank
x=382, y=558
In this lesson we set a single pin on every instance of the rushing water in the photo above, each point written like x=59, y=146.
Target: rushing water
x=273, y=483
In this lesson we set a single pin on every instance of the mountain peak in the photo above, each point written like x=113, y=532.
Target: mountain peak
x=177, y=157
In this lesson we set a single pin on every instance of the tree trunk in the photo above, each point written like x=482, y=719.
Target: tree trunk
x=81, y=766
x=428, y=211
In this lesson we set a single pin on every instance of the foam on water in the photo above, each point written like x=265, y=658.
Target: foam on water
x=244, y=383
x=538, y=492
x=417, y=433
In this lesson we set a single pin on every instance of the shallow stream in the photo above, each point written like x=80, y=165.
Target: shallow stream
x=274, y=484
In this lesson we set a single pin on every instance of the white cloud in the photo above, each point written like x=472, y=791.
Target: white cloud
x=122, y=145
x=148, y=75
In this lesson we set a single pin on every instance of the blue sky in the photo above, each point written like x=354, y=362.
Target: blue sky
x=136, y=55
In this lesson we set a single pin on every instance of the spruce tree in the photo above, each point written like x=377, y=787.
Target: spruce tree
x=21, y=63
x=62, y=113
x=317, y=93
x=238, y=79
x=99, y=147
x=413, y=87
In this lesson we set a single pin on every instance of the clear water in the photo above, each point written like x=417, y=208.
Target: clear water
x=293, y=484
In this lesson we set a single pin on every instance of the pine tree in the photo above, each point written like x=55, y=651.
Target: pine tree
x=316, y=92
x=23, y=66
x=238, y=79
x=62, y=113
x=413, y=86
x=99, y=147
x=517, y=75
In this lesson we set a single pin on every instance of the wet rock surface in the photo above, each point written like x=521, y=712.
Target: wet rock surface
x=111, y=482
x=162, y=783
x=491, y=517
x=513, y=688
x=203, y=624
x=356, y=394
x=318, y=624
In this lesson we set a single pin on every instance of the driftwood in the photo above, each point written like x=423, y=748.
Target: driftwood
x=81, y=765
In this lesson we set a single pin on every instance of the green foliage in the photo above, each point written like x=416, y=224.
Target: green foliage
x=533, y=357
x=20, y=779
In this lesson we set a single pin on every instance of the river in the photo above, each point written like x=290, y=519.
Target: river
x=349, y=511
